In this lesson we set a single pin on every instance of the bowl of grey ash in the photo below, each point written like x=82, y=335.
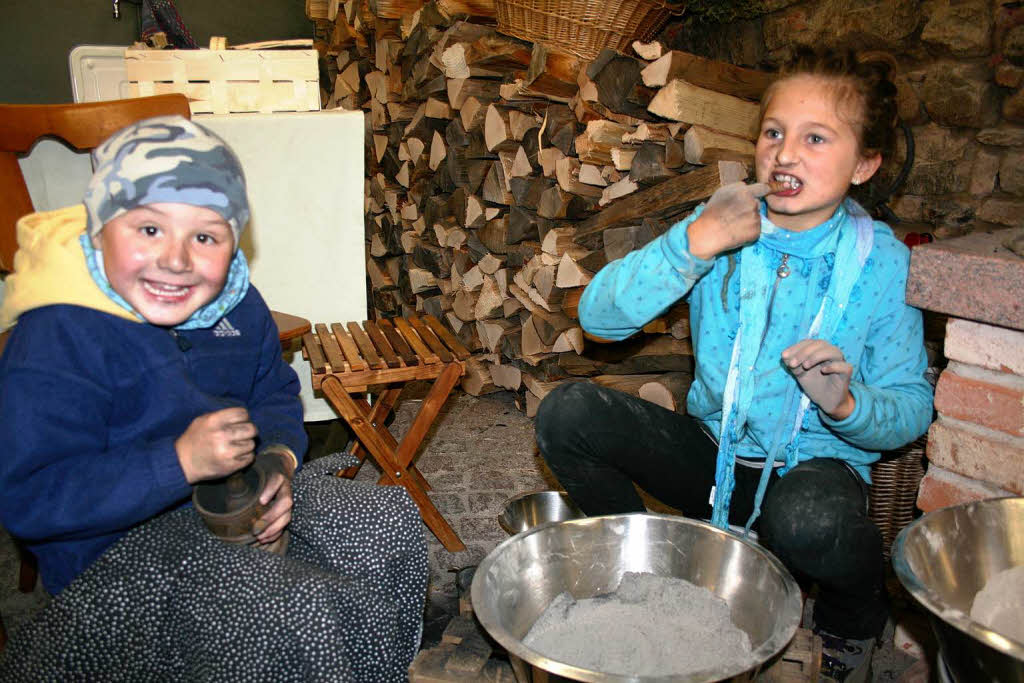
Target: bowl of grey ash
x=636, y=597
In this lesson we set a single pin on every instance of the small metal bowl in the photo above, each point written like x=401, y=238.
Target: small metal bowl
x=527, y=510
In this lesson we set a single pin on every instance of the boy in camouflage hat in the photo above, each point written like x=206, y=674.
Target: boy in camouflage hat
x=141, y=362
x=163, y=212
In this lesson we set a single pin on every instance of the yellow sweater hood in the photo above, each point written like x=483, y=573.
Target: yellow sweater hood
x=50, y=268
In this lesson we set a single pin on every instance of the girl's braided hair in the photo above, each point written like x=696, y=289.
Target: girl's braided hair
x=860, y=80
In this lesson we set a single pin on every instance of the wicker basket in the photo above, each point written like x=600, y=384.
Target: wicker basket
x=893, y=496
x=584, y=27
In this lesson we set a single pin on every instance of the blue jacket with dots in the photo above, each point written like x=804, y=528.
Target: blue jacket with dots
x=881, y=336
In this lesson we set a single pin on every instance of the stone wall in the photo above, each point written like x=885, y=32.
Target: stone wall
x=960, y=77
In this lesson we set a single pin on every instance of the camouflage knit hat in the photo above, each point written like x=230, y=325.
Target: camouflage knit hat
x=165, y=159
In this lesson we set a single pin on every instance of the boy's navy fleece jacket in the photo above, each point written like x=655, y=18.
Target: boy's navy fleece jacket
x=882, y=337
x=92, y=403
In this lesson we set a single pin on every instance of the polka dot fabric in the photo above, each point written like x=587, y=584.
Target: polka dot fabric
x=170, y=602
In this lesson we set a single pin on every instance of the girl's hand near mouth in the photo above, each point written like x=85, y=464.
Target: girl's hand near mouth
x=730, y=219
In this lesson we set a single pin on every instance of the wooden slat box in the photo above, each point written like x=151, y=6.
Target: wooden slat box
x=229, y=81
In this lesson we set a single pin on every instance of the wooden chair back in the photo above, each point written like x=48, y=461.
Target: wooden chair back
x=83, y=126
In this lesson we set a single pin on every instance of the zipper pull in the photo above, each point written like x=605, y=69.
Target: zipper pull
x=183, y=344
x=783, y=269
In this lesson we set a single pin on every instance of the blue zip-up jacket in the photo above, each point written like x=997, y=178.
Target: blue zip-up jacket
x=881, y=336
x=91, y=404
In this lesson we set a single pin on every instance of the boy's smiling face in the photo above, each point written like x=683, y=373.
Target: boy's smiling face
x=167, y=260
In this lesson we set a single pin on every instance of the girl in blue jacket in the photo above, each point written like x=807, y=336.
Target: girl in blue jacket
x=142, y=363
x=808, y=361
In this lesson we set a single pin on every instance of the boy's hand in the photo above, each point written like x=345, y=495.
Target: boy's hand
x=277, y=493
x=730, y=219
x=216, y=444
x=823, y=374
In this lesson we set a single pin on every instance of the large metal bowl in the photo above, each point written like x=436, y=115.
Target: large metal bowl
x=943, y=559
x=586, y=557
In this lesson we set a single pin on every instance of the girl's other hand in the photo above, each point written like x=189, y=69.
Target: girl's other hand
x=730, y=219
x=216, y=444
x=823, y=374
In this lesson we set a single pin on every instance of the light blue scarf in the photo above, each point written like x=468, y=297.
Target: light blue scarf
x=757, y=279
x=235, y=287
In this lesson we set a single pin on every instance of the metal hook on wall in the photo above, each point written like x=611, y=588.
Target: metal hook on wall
x=117, y=10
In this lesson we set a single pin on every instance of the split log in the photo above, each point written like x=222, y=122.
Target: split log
x=436, y=109
x=648, y=51
x=506, y=376
x=668, y=391
x=464, y=306
x=438, y=151
x=594, y=145
x=493, y=332
x=622, y=157
x=557, y=241
x=618, y=82
x=571, y=302
x=483, y=9
x=688, y=103
x=570, y=274
x=671, y=195
x=639, y=354
x=618, y=189
x=552, y=73
x=627, y=384
x=549, y=158
x=702, y=146
x=648, y=167
x=491, y=55
x=495, y=185
x=497, y=130
x=707, y=73
x=477, y=381
x=557, y=203
x=559, y=128
x=620, y=241
x=488, y=303
x=675, y=321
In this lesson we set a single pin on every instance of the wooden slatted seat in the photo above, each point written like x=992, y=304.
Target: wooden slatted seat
x=381, y=356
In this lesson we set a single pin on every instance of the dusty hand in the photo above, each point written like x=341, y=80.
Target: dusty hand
x=823, y=374
x=730, y=219
x=216, y=444
x=277, y=493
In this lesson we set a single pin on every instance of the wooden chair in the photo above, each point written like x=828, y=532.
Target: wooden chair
x=348, y=359
x=83, y=126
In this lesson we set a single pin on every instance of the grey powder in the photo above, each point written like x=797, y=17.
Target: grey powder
x=650, y=626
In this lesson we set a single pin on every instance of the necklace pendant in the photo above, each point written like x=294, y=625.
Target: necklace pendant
x=783, y=269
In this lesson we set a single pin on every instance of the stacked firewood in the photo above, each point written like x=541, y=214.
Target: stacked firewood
x=501, y=175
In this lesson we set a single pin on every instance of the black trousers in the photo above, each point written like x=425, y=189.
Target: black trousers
x=598, y=442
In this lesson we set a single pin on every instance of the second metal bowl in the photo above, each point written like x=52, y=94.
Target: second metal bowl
x=527, y=510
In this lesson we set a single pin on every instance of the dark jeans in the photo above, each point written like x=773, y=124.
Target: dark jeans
x=598, y=442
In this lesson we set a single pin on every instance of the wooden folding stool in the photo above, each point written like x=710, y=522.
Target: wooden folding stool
x=346, y=360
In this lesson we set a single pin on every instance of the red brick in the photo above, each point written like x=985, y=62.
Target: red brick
x=996, y=404
x=977, y=453
x=941, y=488
x=987, y=346
x=973, y=277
